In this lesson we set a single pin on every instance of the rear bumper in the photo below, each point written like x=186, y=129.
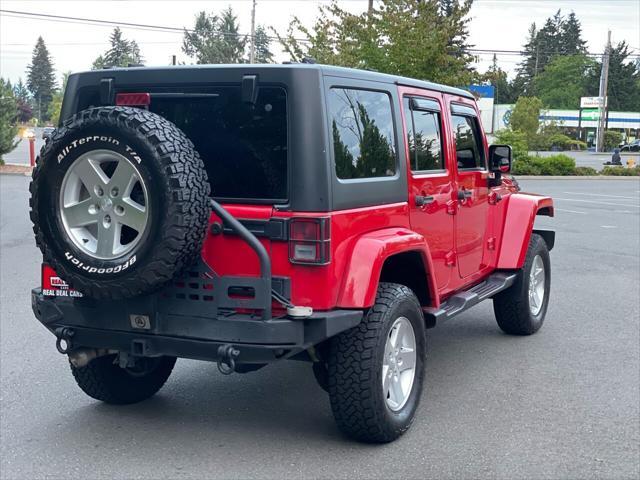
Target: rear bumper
x=137, y=326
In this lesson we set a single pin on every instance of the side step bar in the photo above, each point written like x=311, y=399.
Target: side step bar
x=462, y=301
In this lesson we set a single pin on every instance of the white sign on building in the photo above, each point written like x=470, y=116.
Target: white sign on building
x=591, y=102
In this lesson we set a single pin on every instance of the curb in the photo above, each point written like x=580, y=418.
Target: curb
x=16, y=169
x=16, y=174
x=576, y=177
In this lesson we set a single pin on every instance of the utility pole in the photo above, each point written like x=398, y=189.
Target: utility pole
x=602, y=105
x=252, y=54
x=370, y=9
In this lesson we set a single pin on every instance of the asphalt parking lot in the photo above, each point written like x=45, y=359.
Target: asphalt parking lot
x=564, y=403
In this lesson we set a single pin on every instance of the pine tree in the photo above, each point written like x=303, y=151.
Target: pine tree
x=523, y=82
x=20, y=91
x=571, y=36
x=548, y=42
x=41, y=79
x=232, y=45
x=23, y=101
x=8, y=113
x=498, y=78
x=623, y=90
x=215, y=39
x=558, y=36
x=262, y=44
x=122, y=52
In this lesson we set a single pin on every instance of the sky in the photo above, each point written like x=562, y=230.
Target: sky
x=495, y=25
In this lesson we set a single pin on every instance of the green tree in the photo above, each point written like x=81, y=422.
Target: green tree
x=525, y=117
x=623, y=88
x=571, y=36
x=517, y=140
x=262, y=45
x=121, y=53
x=8, y=113
x=558, y=36
x=41, y=80
x=56, y=104
x=612, y=139
x=523, y=83
x=23, y=101
x=498, y=78
x=215, y=39
x=421, y=39
x=564, y=81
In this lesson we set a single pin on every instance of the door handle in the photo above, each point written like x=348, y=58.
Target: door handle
x=422, y=200
x=464, y=195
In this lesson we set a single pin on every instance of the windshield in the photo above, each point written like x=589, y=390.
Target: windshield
x=243, y=146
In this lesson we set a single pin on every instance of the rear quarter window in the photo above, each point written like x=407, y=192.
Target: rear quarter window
x=363, y=133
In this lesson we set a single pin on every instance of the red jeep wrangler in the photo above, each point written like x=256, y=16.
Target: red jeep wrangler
x=248, y=214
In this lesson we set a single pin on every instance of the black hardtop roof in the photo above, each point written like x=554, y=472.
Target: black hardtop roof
x=328, y=70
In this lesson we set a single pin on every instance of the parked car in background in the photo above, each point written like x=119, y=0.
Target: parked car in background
x=631, y=147
x=46, y=132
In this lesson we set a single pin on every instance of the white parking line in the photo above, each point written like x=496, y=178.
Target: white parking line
x=608, y=226
x=602, y=195
x=597, y=202
x=570, y=211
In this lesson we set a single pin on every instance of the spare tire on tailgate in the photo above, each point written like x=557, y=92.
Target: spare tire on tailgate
x=119, y=201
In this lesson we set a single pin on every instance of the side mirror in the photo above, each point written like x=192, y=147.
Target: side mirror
x=500, y=158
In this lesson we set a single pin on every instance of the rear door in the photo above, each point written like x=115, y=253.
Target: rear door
x=430, y=177
x=471, y=186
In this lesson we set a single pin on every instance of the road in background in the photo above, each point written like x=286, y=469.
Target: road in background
x=563, y=403
x=20, y=154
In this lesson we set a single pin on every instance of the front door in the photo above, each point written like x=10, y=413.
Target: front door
x=430, y=179
x=472, y=188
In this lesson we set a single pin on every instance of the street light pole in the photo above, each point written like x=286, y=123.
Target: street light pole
x=252, y=52
x=602, y=93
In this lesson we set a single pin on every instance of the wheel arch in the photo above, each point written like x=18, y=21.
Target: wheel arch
x=521, y=212
x=395, y=255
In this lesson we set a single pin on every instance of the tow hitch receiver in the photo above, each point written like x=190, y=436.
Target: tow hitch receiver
x=63, y=339
x=226, y=359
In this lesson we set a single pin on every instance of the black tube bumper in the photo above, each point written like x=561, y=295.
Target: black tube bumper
x=135, y=326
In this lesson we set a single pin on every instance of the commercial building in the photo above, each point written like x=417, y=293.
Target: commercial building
x=579, y=123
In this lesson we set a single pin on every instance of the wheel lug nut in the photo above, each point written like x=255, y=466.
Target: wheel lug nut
x=98, y=190
x=114, y=192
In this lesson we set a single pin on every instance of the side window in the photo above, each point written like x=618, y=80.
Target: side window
x=423, y=137
x=363, y=137
x=469, y=151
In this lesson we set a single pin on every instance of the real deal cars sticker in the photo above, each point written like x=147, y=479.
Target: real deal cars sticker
x=54, y=286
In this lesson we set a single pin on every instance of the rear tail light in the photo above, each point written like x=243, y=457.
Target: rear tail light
x=310, y=241
x=133, y=99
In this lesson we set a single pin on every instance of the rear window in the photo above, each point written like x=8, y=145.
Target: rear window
x=244, y=147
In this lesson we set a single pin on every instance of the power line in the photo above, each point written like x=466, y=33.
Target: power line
x=162, y=28
x=169, y=29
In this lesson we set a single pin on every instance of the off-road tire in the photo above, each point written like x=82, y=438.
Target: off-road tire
x=104, y=380
x=511, y=306
x=178, y=191
x=355, y=369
